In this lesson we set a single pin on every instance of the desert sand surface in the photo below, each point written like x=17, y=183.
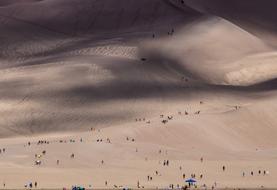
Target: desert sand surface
x=109, y=94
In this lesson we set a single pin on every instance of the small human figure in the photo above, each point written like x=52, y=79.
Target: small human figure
x=72, y=155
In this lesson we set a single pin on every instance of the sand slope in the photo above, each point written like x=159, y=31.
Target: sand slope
x=67, y=66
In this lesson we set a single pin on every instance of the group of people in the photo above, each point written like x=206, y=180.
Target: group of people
x=31, y=185
x=166, y=163
x=130, y=139
x=169, y=33
x=108, y=140
x=40, y=142
x=259, y=172
x=3, y=150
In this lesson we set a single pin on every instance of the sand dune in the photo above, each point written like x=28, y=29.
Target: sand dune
x=124, y=66
x=217, y=52
x=255, y=16
x=13, y=2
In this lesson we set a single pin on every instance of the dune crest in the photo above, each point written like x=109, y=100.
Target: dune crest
x=212, y=48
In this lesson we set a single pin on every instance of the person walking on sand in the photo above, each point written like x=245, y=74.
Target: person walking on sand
x=72, y=155
x=224, y=168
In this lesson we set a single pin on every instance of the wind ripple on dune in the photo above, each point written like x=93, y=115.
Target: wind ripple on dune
x=109, y=50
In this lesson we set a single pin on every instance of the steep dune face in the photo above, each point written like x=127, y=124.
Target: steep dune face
x=13, y=2
x=217, y=52
x=46, y=26
x=260, y=13
x=239, y=51
x=258, y=17
x=97, y=17
x=86, y=55
x=40, y=50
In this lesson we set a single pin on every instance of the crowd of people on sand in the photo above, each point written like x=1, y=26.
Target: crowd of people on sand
x=28, y=185
x=39, y=142
x=166, y=119
x=156, y=173
x=38, y=157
